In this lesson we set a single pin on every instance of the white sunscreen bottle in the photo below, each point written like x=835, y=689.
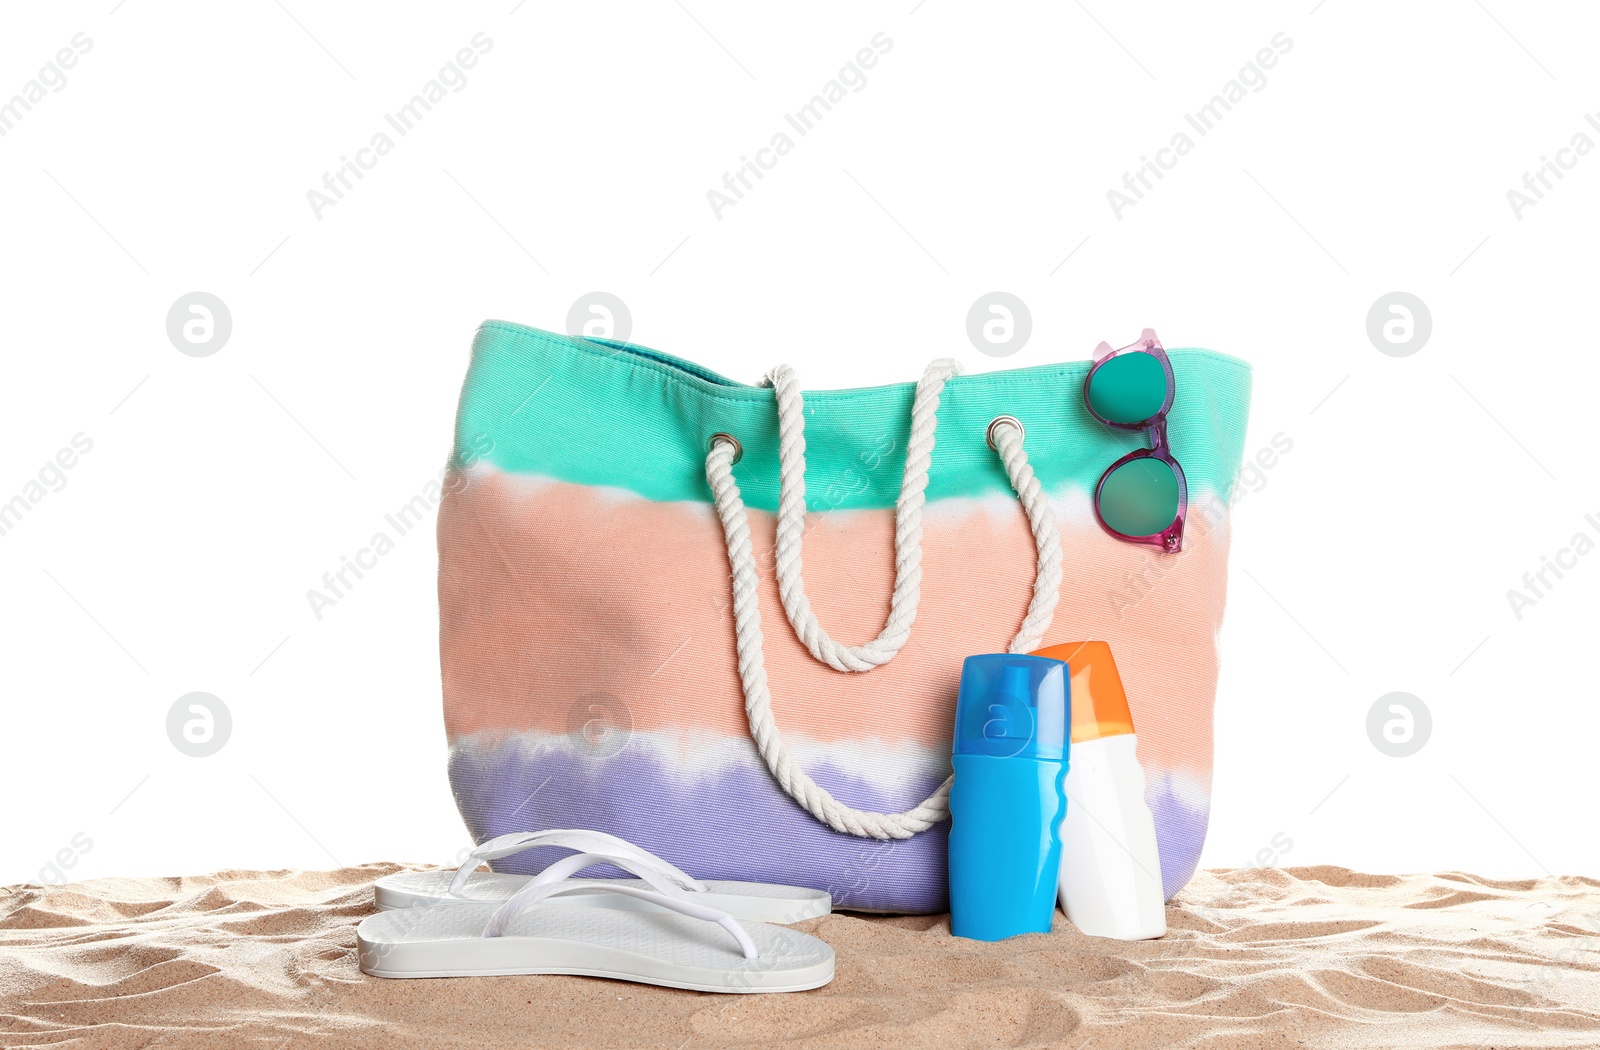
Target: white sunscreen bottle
x=1110, y=883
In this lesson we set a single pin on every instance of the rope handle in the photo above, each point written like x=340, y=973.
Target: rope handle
x=1005, y=435
x=907, y=522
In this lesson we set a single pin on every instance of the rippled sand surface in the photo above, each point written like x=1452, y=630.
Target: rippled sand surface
x=1302, y=957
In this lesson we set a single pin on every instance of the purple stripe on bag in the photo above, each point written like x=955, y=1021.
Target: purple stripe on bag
x=1180, y=833
x=728, y=823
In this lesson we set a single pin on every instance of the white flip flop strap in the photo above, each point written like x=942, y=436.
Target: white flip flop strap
x=532, y=894
x=567, y=867
x=576, y=839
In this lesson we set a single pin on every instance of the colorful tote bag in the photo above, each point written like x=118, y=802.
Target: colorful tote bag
x=618, y=651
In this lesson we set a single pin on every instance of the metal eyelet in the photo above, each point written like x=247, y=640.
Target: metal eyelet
x=998, y=421
x=738, y=449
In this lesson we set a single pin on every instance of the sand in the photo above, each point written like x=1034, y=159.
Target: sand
x=1307, y=957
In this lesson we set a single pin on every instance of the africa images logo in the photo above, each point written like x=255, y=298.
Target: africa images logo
x=1250, y=79
x=450, y=79
x=1536, y=183
x=1537, y=583
x=51, y=75
x=850, y=79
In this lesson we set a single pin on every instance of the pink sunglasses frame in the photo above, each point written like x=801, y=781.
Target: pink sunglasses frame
x=1169, y=539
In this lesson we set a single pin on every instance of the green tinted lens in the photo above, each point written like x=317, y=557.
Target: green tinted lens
x=1128, y=389
x=1140, y=498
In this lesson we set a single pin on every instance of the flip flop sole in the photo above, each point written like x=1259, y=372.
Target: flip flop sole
x=657, y=947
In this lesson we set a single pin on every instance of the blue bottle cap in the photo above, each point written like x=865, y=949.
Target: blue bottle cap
x=1012, y=706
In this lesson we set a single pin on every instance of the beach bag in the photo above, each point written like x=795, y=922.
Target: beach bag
x=616, y=653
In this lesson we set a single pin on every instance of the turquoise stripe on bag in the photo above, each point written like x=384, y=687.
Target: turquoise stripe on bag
x=616, y=415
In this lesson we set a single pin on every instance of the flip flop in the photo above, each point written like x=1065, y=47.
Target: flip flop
x=666, y=939
x=755, y=901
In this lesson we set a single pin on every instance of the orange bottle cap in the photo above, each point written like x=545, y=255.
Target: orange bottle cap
x=1099, y=704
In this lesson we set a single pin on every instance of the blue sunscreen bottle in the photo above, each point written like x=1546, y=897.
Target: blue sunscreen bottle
x=1009, y=795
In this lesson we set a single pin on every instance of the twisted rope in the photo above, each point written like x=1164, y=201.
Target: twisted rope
x=907, y=523
x=794, y=780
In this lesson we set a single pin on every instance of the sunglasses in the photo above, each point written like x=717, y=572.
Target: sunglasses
x=1142, y=497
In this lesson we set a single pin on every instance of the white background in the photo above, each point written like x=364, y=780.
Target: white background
x=1376, y=556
